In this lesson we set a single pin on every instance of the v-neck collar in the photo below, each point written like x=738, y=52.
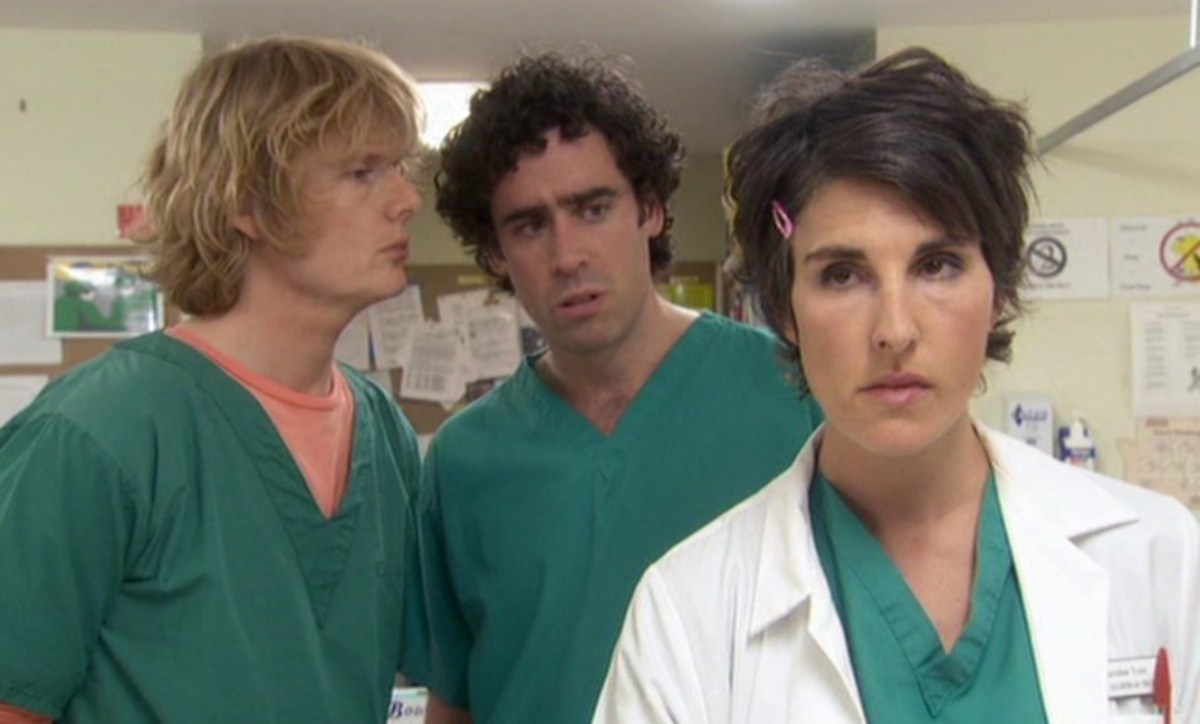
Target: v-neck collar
x=321, y=545
x=658, y=389
x=854, y=551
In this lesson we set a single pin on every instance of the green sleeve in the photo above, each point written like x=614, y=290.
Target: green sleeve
x=65, y=528
x=445, y=671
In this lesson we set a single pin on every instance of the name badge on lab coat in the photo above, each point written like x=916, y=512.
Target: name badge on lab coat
x=1131, y=677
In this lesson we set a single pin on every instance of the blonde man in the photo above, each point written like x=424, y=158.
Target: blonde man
x=214, y=523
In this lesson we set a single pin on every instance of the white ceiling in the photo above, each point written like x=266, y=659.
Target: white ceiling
x=697, y=59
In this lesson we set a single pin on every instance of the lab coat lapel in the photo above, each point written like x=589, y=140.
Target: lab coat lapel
x=789, y=577
x=1065, y=593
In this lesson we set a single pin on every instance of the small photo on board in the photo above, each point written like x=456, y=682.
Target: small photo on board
x=102, y=296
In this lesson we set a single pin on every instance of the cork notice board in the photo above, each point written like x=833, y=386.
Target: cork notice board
x=29, y=263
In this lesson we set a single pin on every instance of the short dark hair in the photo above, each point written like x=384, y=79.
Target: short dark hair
x=910, y=121
x=537, y=94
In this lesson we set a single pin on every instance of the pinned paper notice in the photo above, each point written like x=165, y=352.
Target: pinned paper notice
x=452, y=308
x=1164, y=455
x=434, y=370
x=392, y=324
x=1067, y=259
x=1166, y=359
x=493, y=340
x=17, y=391
x=23, y=338
x=1155, y=256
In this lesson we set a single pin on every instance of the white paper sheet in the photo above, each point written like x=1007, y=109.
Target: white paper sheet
x=1155, y=256
x=392, y=324
x=23, y=338
x=17, y=391
x=1164, y=455
x=1067, y=259
x=434, y=370
x=452, y=308
x=1166, y=359
x=493, y=339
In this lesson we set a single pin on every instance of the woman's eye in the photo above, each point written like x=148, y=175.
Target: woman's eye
x=837, y=276
x=941, y=265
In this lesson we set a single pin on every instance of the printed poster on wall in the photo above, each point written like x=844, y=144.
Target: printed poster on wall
x=1155, y=256
x=1166, y=359
x=1164, y=455
x=1067, y=259
x=101, y=296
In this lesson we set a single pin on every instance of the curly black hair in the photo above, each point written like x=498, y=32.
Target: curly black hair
x=537, y=94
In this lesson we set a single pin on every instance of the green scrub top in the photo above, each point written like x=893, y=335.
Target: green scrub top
x=535, y=527
x=903, y=672
x=165, y=561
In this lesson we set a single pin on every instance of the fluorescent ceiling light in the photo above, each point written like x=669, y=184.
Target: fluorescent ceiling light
x=446, y=105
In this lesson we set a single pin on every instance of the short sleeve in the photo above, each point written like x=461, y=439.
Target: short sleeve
x=65, y=522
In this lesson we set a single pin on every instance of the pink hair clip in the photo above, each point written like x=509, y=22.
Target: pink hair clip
x=782, y=220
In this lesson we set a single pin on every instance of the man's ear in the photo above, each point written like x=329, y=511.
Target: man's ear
x=247, y=223
x=496, y=261
x=653, y=214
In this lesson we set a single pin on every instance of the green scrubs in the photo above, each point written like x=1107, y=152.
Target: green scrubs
x=903, y=672
x=164, y=561
x=535, y=527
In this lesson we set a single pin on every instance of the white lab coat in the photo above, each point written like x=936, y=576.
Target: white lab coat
x=737, y=624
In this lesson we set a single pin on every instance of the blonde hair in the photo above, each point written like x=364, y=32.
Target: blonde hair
x=241, y=119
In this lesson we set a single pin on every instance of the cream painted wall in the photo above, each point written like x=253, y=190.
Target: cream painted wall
x=1143, y=160
x=93, y=101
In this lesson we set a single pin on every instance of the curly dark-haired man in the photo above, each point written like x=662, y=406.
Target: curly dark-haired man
x=544, y=501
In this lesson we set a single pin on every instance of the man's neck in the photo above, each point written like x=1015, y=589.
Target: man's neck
x=603, y=386
x=291, y=347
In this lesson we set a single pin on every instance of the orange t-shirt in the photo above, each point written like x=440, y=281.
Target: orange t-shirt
x=317, y=429
x=12, y=715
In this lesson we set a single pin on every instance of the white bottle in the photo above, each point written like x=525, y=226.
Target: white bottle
x=1076, y=445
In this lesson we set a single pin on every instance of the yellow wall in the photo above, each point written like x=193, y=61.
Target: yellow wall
x=1145, y=160
x=93, y=101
